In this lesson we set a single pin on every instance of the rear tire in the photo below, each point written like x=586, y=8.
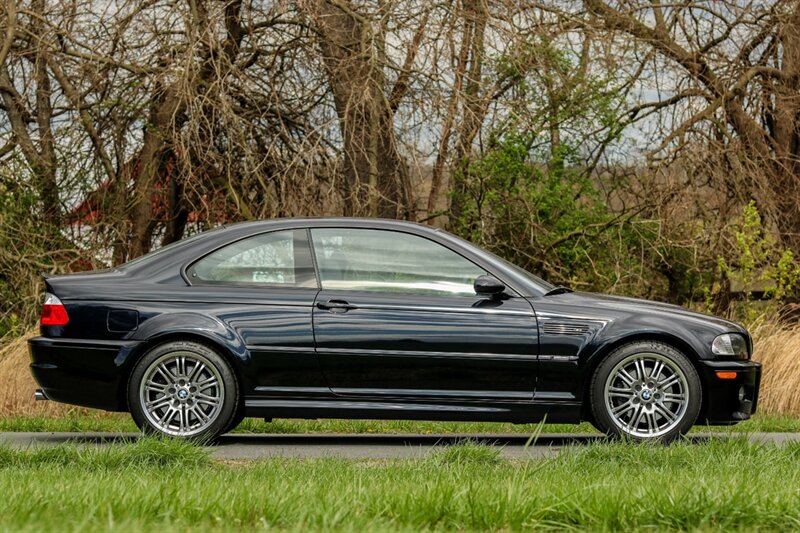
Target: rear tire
x=183, y=389
x=645, y=391
x=235, y=421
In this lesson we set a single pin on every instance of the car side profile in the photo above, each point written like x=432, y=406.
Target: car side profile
x=378, y=319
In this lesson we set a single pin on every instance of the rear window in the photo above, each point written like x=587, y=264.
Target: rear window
x=278, y=258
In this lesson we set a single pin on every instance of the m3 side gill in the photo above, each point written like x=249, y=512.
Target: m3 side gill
x=376, y=319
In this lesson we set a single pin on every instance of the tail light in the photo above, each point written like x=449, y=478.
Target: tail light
x=53, y=311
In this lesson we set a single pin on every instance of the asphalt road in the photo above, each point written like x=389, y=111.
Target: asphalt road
x=360, y=446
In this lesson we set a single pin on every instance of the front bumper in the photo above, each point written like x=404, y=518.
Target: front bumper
x=82, y=372
x=723, y=405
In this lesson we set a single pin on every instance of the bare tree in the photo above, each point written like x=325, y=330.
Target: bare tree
x=735, y=69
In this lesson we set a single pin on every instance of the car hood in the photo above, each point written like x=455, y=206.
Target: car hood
x=622, y=305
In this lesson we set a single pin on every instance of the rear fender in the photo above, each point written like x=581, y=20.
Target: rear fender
x=197, y=326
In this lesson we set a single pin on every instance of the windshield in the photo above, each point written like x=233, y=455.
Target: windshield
x=536, y=280
x=522, y=272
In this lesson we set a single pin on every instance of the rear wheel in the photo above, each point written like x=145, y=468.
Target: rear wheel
x=646, y=391
x=183, y=389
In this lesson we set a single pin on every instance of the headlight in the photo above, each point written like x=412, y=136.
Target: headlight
x=731, y=345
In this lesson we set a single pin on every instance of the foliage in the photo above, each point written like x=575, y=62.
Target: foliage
x=756, y=263
x=29, y=247
x=552, y=221
x=22, y=255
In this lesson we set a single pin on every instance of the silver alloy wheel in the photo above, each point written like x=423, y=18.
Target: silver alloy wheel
x=646, y=395
x=181, y=393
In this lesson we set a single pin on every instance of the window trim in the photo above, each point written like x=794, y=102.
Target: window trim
x=300, y=235
x=513, y=292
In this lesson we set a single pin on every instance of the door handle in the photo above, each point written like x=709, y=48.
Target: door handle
x=336, y=306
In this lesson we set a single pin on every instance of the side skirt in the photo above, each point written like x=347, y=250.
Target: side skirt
x=561, y=412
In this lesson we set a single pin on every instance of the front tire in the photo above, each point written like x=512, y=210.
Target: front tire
x=183, y=389
x=646, y=391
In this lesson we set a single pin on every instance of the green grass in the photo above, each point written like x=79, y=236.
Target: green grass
x=117, y=423
x=164, y=485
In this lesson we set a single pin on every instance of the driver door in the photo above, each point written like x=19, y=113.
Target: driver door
x=397, y=316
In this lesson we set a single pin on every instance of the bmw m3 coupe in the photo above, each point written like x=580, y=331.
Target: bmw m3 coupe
x=378, y=319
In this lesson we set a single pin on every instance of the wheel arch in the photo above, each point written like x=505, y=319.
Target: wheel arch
x=603, y=351
x=235, y=358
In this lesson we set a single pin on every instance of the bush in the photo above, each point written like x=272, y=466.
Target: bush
x=553, y=220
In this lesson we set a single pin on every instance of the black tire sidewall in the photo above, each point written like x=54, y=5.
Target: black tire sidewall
x=230, y=405
x=599, y=411
x=236, y=420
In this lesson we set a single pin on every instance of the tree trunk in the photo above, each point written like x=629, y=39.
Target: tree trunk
x=376, y=177
x=475, y=102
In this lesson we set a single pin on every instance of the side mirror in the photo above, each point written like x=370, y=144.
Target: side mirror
x=489, y=285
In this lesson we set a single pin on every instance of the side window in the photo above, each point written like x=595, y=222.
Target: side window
x=390, y=261
x=278, y=258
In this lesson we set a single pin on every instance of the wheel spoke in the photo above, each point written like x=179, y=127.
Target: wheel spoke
x=158, y=403
x=213, y=402
x=166, y=372
x=622, y=408
x=619, y=392
x=196, y=371
x=627, y=378
x=673, y=397
x=657, y=369
x=166, y=419
x=198, y=413
x=157, y=387
x=184, y=419
x=652, y=425
x=668, y=415
x=633, y=423
x=640, y=372
x=207, y=384
x=669, y=382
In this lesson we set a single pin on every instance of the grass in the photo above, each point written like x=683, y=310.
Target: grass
x=165, y=485
x=778, y=350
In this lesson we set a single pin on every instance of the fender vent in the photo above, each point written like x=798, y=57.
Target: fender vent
x=560, y=328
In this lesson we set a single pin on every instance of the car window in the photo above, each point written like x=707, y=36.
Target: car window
x=390, y=261
x=277, y=258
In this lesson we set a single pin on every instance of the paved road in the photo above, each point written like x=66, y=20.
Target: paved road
x=361, y=446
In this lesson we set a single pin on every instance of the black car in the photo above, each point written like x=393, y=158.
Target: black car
x=364, y=318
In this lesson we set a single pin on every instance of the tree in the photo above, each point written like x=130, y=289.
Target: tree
x=738, y=74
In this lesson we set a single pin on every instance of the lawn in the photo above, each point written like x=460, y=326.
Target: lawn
x=168, y=485
x=87, y=420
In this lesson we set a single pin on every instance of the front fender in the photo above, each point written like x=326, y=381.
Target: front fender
x=696, y=345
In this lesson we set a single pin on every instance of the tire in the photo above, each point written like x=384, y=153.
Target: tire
x=183, y=389
x=235, y=421
x=660, y=407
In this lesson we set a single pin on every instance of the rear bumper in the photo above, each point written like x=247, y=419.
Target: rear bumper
x=723, y=404
x=82, y=372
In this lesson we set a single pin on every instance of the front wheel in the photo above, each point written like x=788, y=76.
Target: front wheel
x=646, y=391
x=183, y=389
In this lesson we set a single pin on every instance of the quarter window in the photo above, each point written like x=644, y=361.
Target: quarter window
x=390, y=261
x=278, y=258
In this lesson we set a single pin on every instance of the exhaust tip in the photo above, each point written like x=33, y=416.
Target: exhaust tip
x=40, y=396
